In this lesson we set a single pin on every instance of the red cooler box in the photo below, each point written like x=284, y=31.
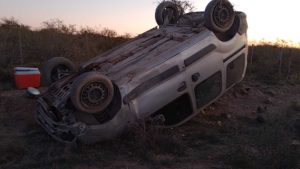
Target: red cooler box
x=27, y=77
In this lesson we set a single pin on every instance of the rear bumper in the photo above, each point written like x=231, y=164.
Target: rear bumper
x=59, y=130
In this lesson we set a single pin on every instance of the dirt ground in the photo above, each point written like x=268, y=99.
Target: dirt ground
x=253, y=125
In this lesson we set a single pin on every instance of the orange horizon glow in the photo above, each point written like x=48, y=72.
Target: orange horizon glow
x=268, y=20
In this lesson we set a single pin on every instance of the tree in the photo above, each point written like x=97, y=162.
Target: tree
x=12, y=23
x=186, y=5
x=108, y=33
x=59, y=26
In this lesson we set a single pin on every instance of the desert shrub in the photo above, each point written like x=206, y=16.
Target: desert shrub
x=272, y=63
x=20, y=45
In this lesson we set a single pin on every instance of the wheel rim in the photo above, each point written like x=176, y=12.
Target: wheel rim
x=60, y=72
x=168, y=13
x=222, y=15
x=93, y=95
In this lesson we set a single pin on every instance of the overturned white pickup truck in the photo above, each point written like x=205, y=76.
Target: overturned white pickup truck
x=171, y=72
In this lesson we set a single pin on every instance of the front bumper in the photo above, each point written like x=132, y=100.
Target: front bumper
x=60, y=129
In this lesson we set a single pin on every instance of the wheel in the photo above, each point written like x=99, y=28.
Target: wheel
x=231, y=32
x=219, y=15
x=92, y=92
x=167, y=12
x=57, y=68
x=234, y=27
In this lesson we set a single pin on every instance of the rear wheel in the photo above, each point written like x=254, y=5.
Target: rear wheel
x=92, y=92
x=167, y=12
x=57, y=68
x=231, y=32
x=219, y=16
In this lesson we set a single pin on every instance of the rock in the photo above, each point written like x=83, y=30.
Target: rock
x=226, y=116
x=296, y=143
x=260, y=119
x=229, y=116
x=261, y=110
x=235, y=94
x=296, y=105
x=158, y=120
x=244, y=91
x=271, y=92
x=297, y=127
x=268, y=101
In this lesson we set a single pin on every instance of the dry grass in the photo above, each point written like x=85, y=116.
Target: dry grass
x=212, y=140
x=265, y=147
x=55, y=39
x=266, y=65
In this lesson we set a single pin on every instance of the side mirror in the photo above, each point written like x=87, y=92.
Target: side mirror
x=33, y=92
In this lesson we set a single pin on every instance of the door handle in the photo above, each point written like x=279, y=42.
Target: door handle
x=182, y=87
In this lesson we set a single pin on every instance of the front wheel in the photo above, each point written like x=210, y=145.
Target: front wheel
x=92, y=92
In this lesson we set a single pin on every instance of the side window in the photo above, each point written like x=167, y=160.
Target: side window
x=208, y=90
x=176, y=111
x=235, y=70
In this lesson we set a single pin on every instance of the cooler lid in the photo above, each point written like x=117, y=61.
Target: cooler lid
x=26, y=69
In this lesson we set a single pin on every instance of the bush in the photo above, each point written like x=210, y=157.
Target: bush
x=272, y=63
x=20, y=45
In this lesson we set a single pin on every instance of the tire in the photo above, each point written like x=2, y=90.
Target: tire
x=57, y=68
x=219, y=16
x=235, y=27
x=170, y=10
x=226, y=36
x=92, y=92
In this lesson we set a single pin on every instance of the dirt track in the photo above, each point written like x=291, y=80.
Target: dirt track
x=228, y=134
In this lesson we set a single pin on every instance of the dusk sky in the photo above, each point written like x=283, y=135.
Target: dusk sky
x=267, y=19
